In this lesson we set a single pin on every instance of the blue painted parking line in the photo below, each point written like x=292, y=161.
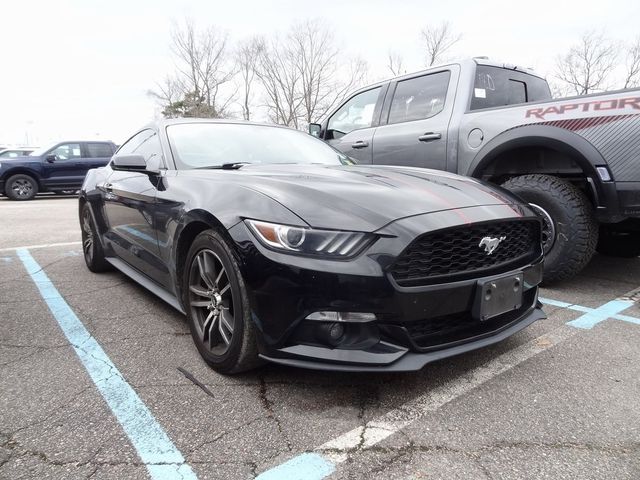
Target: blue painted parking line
x=161, y=457
x=593, y=316
x=307, y=466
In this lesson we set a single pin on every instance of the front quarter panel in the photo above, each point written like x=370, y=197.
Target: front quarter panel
x=184, y=198
x=91, y=193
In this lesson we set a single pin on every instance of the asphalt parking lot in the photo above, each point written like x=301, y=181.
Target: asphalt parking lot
x=560, y=399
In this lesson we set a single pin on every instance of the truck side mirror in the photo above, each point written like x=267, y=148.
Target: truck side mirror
x=51, y=158
x=315, y=129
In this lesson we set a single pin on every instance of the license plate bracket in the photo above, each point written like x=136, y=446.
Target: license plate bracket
x=497, y=296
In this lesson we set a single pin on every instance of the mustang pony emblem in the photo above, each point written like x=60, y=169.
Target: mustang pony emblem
x=490, y=244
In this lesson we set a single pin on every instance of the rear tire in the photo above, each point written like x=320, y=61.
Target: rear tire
x=91, y=246
x=621, y=244
x=217, y=306
x=21, y=187
x=570, y=226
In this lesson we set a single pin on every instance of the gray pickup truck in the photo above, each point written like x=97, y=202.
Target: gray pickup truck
x=576, y=160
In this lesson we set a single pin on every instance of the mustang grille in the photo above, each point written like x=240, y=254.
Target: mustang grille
x=455, y=253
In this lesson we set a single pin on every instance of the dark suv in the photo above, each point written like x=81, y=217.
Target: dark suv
x=56, y=168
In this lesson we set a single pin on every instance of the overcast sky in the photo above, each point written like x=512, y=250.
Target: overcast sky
x=81, y=69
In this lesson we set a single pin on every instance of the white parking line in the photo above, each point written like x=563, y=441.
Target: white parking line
x=377, y=430
x=44, y=245
x=318, y=465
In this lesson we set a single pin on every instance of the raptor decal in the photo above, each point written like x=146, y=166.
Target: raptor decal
x=593, y=106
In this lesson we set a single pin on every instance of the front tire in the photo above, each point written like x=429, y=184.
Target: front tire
x=570, y=231
x=217, y=305
x=91, y=246
x=21, y=187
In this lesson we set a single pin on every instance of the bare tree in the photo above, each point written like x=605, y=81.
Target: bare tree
x=395, y=64
x=167, y=92
x=280, y=79
x=632, y=65
x=559, y=89
x=324, y=81
x=202, y=68
x=438, y=40
x=302, y=75
x=587, y=66
x=247, y=58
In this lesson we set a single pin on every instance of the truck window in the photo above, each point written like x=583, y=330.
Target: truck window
x=67, y=151
x=419, y=98
x=356, y=113
x=99, y=150
x=497, y=87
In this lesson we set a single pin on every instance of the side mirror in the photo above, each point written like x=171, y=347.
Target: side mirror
x=315, y=129
x=129, y=163
x=51, y=158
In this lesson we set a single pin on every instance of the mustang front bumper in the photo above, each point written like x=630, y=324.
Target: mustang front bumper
x=413, y=326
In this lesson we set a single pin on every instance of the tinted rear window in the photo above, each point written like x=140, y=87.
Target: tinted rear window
x=497, y=87
x=99, y=150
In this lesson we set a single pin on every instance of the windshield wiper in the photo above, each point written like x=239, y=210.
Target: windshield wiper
x=233, y=165
x=227, y=166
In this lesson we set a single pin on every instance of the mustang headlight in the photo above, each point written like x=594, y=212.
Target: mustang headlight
x=309, y=241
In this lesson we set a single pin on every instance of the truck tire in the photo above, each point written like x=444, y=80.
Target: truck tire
x=21, y=187
x=613, y=243
x=570, y=230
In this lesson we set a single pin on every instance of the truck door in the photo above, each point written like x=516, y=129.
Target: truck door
x=62, y=166
x=415, y=117
x=350, y=129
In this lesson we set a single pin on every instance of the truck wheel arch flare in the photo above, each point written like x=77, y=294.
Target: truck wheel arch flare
x=535, y=136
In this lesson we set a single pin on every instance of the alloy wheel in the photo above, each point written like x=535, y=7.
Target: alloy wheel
x=22, y=188
x=87, y=235
x=211, y=301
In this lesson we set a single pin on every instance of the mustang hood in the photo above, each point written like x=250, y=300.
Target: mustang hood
x=366, y=198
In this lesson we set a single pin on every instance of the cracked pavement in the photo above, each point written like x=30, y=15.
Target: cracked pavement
x=571, y=411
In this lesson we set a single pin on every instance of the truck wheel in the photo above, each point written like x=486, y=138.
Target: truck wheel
x=21, y=187
x=570, y=230
x=614, y=243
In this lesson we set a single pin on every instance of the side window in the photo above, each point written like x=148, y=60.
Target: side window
x=150, y=147
x=145, y=143
x=517, y=92
x=419, y=98
x=67, y=151
x=99, y=150
x=356, y=113
x=134, y=142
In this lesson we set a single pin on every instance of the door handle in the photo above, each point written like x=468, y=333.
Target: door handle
x=360, y=144
x=429, y=137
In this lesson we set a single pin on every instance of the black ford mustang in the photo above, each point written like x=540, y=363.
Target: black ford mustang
x=278, y=247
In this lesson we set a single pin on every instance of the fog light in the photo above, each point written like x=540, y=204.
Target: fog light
x=330, y=333
x=355, y=317
x=336, y=330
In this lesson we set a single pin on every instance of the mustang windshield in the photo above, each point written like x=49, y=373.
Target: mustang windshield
x=202, y=145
